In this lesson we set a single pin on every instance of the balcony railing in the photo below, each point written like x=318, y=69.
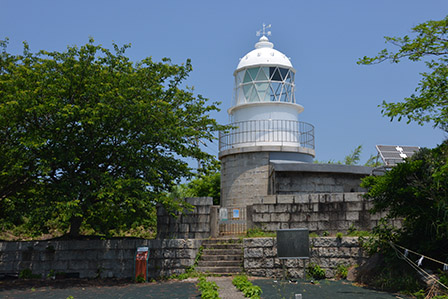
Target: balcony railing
x=268, y=132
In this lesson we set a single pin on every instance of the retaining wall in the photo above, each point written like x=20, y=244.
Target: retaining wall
x=115, y=258
x=97, y=258
x=319, y=212
x=260, y=256
x=187, y=224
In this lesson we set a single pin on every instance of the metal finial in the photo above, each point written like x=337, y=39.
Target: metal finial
x=263, y=31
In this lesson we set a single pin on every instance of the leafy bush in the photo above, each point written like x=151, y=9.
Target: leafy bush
x=246, y=287
x=315, y=271
x=208, y=289
x=140, y=279
x=342, y=271
x=28, y=274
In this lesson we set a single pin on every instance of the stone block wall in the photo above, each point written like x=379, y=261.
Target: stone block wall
x=97, y=258
x=194, y=224
x=260, y=257
x=319, y=212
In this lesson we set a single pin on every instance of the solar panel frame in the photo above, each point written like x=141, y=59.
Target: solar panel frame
x=394, y=154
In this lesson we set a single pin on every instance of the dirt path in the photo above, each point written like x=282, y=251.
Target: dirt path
x=226, y=289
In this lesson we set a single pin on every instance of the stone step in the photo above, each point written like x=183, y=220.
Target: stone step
x=222, y=241
x=222, y=246
x=235, y=263
x=221, y=252
x=228, y=257
x=219, y=270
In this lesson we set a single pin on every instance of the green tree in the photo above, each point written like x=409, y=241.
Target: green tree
x=207, y=183
x=429, y=104
x=91, y=139
x=417, y=192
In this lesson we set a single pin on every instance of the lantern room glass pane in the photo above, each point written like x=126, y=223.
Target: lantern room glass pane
x=253, y=72
x=247, y=77
x=263, y=91
x=272, y=94
x=239, y=78
x=275, y=74
x=262, y=74
x=283, y=72
x=253, y=95
x=247, y=90
x=283, y=97
x=277, y=87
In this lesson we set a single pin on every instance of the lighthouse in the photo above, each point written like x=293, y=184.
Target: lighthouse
x=264, y=116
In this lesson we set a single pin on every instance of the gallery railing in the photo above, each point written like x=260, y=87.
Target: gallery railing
x=267, y=132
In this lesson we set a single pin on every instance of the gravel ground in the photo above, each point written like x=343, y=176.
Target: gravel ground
x=226, y=289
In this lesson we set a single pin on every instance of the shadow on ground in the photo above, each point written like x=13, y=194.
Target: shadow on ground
x=98, y=289
x=322, y=289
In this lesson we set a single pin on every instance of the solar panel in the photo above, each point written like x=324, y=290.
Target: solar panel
x=394, y=154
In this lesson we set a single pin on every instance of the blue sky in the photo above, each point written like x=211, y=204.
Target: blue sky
x=323, y=38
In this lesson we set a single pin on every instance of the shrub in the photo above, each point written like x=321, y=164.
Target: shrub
x=315, y=271
x=208, y=289
x=342, y=271
x=246, y=287
x=28, y=274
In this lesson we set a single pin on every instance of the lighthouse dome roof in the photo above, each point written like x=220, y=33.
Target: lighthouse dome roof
x=264, y=54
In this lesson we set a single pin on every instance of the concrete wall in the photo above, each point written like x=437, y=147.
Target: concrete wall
x=93, y=258
x=244, y=178
x=260, y=256
x=308, y=182
x=194, y=224
x=319, y=212
x=296, y=178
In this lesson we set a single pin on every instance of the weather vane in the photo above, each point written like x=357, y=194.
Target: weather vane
x=260, y=32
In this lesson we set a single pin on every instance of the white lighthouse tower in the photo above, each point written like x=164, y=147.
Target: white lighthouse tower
x=266, y=127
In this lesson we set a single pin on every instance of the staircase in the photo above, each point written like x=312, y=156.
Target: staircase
x=221, y=256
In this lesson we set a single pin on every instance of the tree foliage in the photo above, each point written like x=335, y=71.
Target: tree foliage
x=417, y=192
x=354, y=158
x=429, y=104
x=90, y=138
x=206, y=183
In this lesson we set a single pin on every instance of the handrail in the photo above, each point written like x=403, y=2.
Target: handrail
x=263, y=132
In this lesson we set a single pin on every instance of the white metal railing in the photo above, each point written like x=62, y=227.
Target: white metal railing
x=267, y=132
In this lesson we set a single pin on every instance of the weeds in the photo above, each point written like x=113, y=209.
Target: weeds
x=208, y=289
x=315, y=271
x=246, y=287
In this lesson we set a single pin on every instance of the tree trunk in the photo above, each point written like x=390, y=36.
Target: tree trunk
x=75, y=226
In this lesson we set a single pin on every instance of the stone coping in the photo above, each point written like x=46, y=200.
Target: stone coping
x=327, y=168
